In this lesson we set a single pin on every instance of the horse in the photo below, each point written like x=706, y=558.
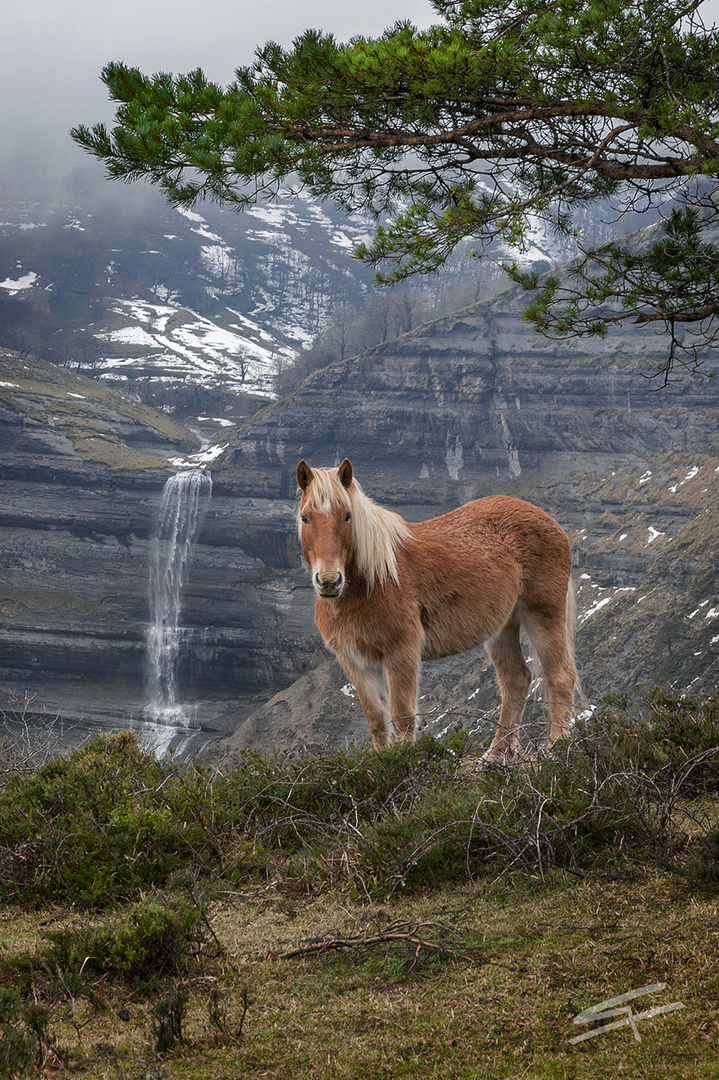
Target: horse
x=391, y=594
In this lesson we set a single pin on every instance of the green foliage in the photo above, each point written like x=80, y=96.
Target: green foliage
x=94, y=827
x=23, y=1034
x=151, y=938
x=703, y=868
x=563, y=102
x=109, y=822
x=620, y=784
x=168, y=1017
x=675, y=280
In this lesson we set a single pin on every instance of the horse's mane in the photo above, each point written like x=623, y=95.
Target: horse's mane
x=376, y=532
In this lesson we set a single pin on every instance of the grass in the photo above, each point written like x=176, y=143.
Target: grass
x=359, y=915
x=499, y=1003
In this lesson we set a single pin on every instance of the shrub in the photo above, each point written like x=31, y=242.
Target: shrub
x=23, y=1034
x=94, y=827
x=109, y=822
x=148, y=938
x=703, y=868
x=168, y=1017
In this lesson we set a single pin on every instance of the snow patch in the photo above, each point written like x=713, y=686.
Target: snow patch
x=690, y=476
x=200, y=459
x=23, y=225
x=129, y=335
x=190, y=215
x=604, y=600
x=16, y=285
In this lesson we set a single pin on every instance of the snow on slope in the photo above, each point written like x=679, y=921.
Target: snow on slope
x=138, y=292
x=178, y=344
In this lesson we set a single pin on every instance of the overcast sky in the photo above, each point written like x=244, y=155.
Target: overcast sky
x=52, y=52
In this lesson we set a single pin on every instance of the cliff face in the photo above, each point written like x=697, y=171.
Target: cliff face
x=476, y=404
x=82, y=471
x=466, y=406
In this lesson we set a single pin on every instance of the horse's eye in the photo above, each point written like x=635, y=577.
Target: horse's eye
x=305, y=520
x=347, y=516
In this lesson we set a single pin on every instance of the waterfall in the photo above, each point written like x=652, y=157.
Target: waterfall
x=184, y=500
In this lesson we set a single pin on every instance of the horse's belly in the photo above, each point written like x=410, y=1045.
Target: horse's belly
x=463, y=623
x=444, y=638
x=436, y=647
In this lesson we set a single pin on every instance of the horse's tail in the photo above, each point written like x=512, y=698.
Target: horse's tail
x=571, y=633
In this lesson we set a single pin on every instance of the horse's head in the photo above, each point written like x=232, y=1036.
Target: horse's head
x=325, y=523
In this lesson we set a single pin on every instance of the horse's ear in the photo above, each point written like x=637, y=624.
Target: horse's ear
x=304, y=475
x=345, y=473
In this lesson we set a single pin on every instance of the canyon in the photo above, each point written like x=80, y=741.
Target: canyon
x=474, y=403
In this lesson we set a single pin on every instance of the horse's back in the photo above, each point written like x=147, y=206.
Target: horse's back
x=506, y=535
x=498, y=520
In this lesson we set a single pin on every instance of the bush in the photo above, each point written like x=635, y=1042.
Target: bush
x=95, y=827
x=23, y=1034
x=107, y=823
x=617, y=788
x=149, y=938
x=703, y=869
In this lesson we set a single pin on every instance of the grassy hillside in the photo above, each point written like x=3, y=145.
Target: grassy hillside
x=364, y=915
x=100, y=423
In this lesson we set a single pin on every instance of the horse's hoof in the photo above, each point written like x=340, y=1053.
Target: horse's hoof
x=488, y=764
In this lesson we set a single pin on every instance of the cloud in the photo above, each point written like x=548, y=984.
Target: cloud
x=53, y=54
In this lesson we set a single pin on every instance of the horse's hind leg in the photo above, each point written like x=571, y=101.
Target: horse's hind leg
x=369, y=681
x=514, y=676
x=550, y=641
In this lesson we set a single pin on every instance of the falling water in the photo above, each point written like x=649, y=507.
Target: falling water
x=184, y=501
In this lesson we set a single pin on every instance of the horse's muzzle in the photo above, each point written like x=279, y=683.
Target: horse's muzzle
x=328, y=590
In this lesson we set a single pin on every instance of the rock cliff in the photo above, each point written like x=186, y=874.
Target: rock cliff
x=465, y=406
x=477, y=404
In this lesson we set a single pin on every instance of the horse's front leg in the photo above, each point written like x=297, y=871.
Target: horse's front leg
x=403, y=678
x=368, y=679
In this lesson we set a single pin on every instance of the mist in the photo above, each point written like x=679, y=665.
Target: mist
x=53, y=54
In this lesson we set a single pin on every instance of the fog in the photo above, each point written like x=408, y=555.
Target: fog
x=52, y=55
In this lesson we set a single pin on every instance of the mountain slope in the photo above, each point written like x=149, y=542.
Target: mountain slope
x=141, y=294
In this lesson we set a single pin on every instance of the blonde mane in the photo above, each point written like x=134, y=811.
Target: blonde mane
x=376, y=532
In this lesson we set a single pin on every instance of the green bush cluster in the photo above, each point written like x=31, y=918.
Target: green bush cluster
x=23, y=1033
x=108, y=822
x=152, y=937
x=96, y=826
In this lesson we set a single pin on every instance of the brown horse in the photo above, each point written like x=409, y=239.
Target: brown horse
x=391, y=594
